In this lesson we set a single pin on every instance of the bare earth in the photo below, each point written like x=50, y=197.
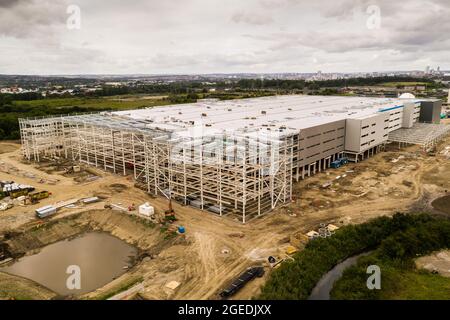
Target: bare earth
x=438, y=261
x=215, y=250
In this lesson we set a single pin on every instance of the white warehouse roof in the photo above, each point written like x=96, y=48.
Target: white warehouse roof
x=294, y=112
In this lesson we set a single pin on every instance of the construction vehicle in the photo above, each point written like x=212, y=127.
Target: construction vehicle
x=169, y=214
x=20, y=192
x=245, y=277
x=72, y=169
x=339, y=162
x=34, y=197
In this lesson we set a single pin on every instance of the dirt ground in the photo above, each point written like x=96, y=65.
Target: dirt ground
x=22, y=289
x=215, y=250
x=436, y=262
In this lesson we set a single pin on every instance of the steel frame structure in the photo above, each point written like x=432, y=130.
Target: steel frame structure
x=423, y=134
x=245, y=173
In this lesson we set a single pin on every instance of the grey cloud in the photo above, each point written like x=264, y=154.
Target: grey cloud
x=251, y=18
x=10, y=3
x=216, y=36
x=26, y=19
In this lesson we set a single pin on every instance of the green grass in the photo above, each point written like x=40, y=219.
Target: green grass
x=397, y=283
x=111, y=103
x=414, y=285
x=125, y=285
x=17, y=288
x=403, y=84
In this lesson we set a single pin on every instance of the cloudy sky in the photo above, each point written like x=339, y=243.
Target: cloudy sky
x=212, y=36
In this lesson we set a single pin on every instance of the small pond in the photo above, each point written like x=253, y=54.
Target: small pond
x=99, y=256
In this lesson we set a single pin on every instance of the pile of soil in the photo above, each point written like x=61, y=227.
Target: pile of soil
x=118, y=187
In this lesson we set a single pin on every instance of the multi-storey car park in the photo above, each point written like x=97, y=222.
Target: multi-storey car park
x=236, y=157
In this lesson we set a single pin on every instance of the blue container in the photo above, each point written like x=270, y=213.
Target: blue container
x=181, y=229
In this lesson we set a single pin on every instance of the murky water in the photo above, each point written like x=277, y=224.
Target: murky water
x=442, y=204
x=323, y=288
x=100, y=257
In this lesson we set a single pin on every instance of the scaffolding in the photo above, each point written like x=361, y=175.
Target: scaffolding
x=244, y=173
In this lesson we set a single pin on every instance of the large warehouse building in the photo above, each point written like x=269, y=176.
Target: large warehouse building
x=236, y=157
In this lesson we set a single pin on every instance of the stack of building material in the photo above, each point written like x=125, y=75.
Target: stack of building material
x=90, y=200
x=146, y=210
x=45, y=211
x=9, y=188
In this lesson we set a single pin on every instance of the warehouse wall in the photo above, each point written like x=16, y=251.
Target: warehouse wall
x=319, y=142
x=409, y=115
x=365, y=133
x=430, y=111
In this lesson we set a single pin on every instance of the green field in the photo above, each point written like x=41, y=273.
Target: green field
x=397, y=283
x=404, y=84
x=11, y=111
x=110, y=103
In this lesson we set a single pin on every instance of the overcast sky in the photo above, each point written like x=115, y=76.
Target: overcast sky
x=213, y=36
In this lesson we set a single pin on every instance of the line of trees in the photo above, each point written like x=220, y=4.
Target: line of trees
x=395, y=257
x=295, y=280
x=315, y=85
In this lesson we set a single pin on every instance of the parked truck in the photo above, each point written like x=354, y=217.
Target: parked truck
x=245, y=277
x=339, y=162
x=34, y=197
x=20, y=192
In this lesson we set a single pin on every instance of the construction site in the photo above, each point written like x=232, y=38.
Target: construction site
x=236, y=158
x=191, y=186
